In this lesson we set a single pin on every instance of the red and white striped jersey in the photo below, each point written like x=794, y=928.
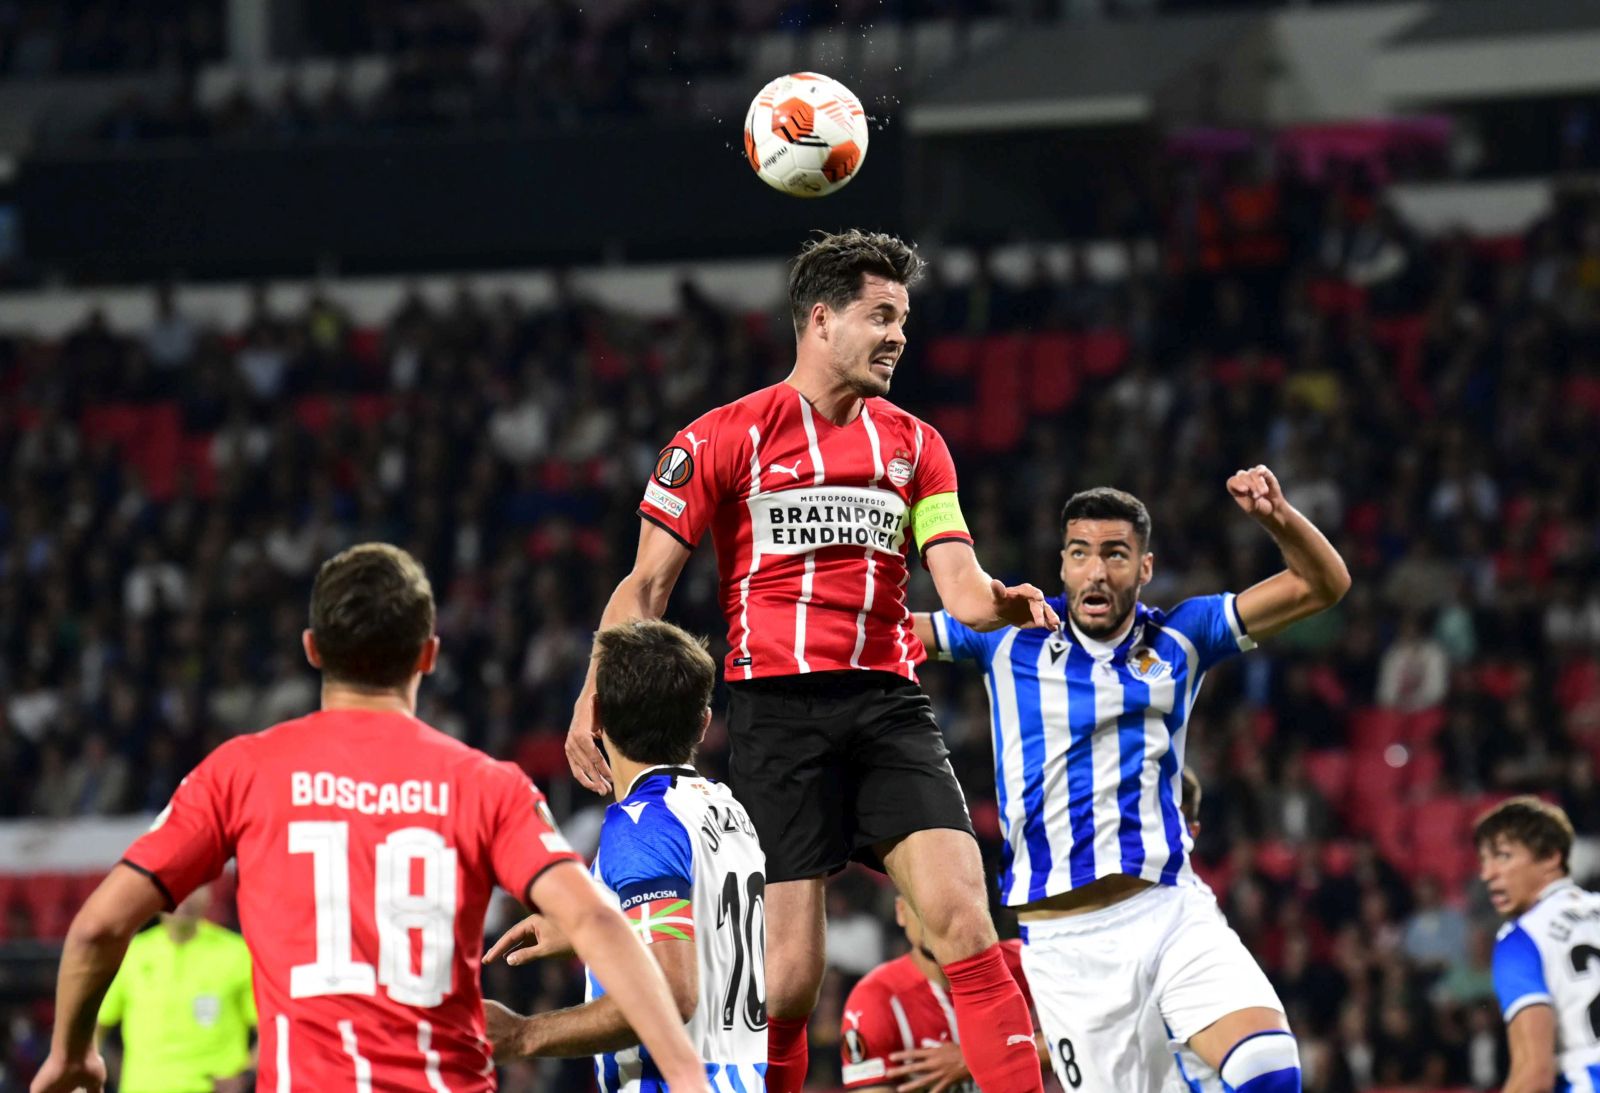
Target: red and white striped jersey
x=368, y=846
x=812, y=527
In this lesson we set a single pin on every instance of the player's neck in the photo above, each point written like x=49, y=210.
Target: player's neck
x=829, y=399
x=339, y=696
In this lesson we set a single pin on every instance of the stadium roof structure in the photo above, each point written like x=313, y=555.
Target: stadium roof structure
x=1101, y=73
x=1483, y=49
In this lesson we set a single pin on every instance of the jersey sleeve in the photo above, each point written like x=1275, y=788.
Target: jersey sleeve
x=935, y=508
x=523, y=838
x=1212, y=625
x=193, y=837
x=691, y=477
x=1518, y=973
x=647, y=860
x=867, y=1036
x=955, y=640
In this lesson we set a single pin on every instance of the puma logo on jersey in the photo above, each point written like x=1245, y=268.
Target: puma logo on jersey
x=794, y=474
x=694, y=444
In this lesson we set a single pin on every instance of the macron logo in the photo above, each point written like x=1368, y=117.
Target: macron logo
x=634, y=810
x=794, y=474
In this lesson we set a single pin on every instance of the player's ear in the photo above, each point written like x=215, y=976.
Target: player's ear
x=308, y=642
x=819, y=319
x=594, y=710
x=1147, y=566
x=430, y=656
x=705, y=726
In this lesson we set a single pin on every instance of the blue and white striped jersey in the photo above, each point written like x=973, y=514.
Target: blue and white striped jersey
x=677, y=850
x=1089, y=738
x=1550, y=956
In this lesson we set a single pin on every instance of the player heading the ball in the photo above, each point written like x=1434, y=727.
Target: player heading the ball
x=814, y=491
x=397, y=832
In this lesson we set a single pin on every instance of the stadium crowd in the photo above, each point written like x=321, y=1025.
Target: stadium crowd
x=169, y=493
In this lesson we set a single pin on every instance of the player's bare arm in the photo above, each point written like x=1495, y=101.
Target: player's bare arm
x=976, y=599
x=936, y=1069
x=593, y=1028
x=642, y=594
x=635, y=985
x=1314, y=578
x=93, y=951
x=1532, y=1037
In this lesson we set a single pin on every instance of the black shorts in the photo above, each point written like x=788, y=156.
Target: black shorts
x=832, y=763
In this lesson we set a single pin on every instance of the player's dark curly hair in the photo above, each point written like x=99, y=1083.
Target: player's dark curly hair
x=1105, y=503
x=371, y=614
x=654, y=681
x=1538, y=825
x=828, y=269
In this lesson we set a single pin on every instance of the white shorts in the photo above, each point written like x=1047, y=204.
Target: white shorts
x=1119, y=990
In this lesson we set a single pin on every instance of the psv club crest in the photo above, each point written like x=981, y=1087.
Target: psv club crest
x=899, y=468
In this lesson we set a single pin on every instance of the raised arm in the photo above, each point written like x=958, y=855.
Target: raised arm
x=95, y=944
x=977, y=599
x=640, y=996
x=1314, y=577
x=642, y=594
x=1532, y=1036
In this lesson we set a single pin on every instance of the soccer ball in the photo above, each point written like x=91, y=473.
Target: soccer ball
x=806, y=134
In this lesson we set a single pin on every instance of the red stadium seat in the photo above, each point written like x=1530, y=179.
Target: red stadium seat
x=48, y=898
x=1003, y=399
x=1329, y=771
x=952, y=355
x=1374, y=793
x=1442, y=837
x=1052, y=373
x=1104, y=352
x=1373, y=728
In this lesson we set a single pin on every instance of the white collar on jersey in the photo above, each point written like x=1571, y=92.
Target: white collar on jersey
x=1552, y=888
x=660, y=768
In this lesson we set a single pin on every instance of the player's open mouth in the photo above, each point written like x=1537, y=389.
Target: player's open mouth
x=885, y=363
x=1095, y=603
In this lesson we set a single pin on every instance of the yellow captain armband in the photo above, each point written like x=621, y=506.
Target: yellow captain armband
x=937, y=516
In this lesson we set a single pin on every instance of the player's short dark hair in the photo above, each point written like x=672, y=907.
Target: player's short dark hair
x=654, y=681
x=1538, y=825
x=1106, y=503
x=1190, y=804
x=371, y=614
x=829, y=268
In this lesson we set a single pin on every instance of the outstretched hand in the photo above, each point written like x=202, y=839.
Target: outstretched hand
x=534, y=938
x=1022, y=605
x=584, y=756
x=1257, y=491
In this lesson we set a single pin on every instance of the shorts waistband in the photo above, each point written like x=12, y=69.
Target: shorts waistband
x=1089, y=921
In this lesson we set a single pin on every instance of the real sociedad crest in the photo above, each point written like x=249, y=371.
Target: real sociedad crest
x=1145, y=664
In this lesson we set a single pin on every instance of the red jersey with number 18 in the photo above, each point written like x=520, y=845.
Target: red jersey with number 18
x=368, y=846
x=812, y=524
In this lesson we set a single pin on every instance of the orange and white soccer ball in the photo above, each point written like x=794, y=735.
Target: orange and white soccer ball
x=806, y=134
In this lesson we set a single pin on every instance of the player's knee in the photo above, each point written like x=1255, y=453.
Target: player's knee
x=1267, y=1062
x=958, y=929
